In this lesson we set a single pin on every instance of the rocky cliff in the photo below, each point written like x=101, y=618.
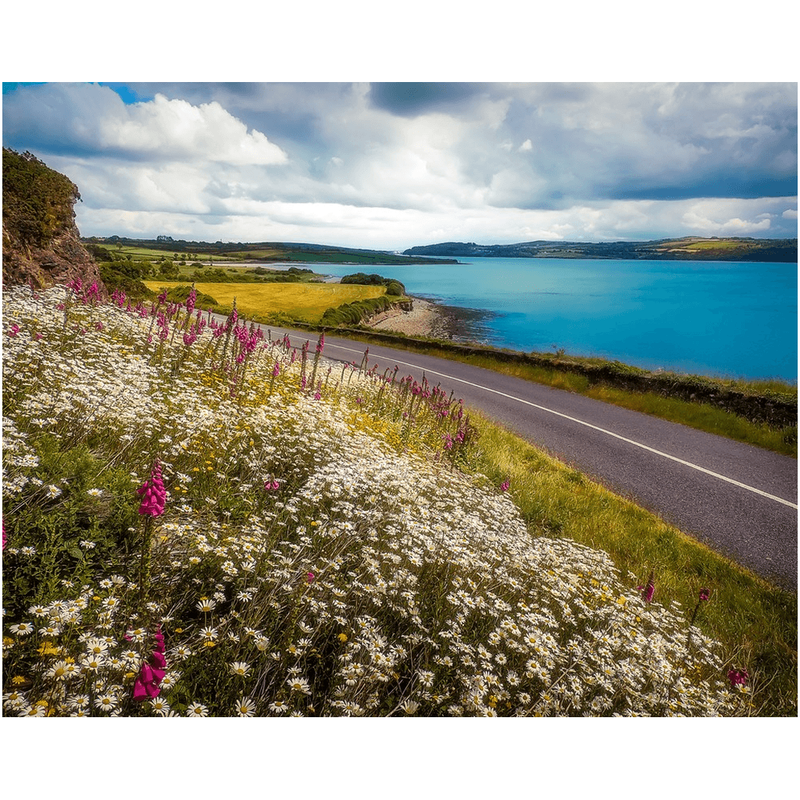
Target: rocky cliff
x=41, y=244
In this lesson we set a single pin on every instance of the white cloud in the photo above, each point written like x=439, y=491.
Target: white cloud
x=720, y=217
x=179, y=130
x=86, y=117
x=526, y=146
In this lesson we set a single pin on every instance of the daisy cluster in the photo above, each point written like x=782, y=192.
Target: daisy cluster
x=325, y=548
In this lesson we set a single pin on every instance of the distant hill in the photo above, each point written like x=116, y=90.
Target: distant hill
x=689, y=248
x=262, y=252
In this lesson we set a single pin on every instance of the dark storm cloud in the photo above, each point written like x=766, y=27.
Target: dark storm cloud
x=411, y=99
x=659, y=141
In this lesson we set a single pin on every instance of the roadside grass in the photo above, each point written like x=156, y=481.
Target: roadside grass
x=306, y=302
x=701, y=417
x=756, y=621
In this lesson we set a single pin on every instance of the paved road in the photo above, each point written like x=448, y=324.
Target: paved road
x=738, y=499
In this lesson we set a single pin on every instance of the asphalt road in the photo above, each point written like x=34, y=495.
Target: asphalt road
x=738, y=499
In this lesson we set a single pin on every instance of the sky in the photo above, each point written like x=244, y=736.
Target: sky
x=390, y=165
x=299, y=122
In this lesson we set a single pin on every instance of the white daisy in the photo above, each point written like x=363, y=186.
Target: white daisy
x=245, y=707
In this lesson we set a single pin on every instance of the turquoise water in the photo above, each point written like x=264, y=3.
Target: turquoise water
x=728, y=319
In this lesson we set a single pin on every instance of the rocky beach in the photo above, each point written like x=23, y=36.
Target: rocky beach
x=435, y=321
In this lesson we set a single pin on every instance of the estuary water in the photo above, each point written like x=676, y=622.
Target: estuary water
x=729, y=319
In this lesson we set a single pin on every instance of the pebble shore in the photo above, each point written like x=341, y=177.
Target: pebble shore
x=426, y=319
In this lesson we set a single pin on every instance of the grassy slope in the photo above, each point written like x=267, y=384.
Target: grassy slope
x=756, y=621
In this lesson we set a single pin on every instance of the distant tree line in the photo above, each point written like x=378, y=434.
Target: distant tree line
x=393, y=287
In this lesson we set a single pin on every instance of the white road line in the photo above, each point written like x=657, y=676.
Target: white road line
x=587, y=424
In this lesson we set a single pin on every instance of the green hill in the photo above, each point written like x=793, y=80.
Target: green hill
x=689, y=248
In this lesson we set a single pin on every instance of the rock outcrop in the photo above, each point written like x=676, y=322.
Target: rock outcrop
x=41, y=243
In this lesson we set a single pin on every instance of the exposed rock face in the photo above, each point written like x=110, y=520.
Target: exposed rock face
x=41, y=244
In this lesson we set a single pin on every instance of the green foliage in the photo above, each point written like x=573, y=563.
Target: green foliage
x=168, y=269
x=364, y=279
x=353, y=313
x=100, y=253
x=57, y=515
x=37, y=201
x=393, y=287
x=178, y=294
x=124, y=276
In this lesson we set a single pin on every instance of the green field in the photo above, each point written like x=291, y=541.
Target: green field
x=152, y=254
x=303, y=301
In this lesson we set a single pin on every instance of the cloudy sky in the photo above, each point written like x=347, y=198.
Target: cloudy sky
x=392, y=165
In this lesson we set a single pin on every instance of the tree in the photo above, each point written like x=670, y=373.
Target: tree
x=169, y=270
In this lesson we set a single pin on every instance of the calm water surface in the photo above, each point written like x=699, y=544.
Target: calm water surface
x=714, y=318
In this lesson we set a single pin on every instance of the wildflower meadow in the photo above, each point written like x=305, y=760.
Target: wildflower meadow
x=200, y=520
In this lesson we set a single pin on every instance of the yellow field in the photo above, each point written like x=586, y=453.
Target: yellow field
x=718, y=244
x=303, y=301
